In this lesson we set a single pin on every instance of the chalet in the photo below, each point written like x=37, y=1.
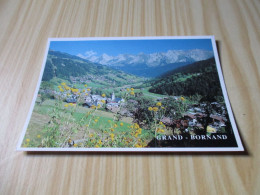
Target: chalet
x=112, y=104
x=89, y=104
x=167, y=121
x=217, y=118
x=97, y=97
x=71, y=100
x=88, y=99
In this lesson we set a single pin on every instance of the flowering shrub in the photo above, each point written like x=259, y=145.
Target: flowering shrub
x=67, y=127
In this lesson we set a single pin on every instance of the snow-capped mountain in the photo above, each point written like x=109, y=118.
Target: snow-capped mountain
x=154, y=63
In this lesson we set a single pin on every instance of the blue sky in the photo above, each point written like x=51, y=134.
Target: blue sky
x=115, y=47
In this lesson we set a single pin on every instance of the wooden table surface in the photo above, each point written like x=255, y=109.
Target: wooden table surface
x=24, y=29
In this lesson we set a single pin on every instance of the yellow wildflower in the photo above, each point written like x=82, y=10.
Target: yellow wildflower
x=97, y=146
x=159, y=130
x=103, y=101
x=38, y=136
x=86, y=93
x=83, y=90
x=182, y=98
x=132, y=89
x=163, y=107
x=155, y=109
x=132, y=93
x=27, y=140
x=103, y=95
x=109, y=121
x=96, y=120
x=88, y=89
x=112, y=129
x=138, y=145
x=85, y=85
x=93, y=107
x=115, y=125
x=159, y=104
x=74, y=90
x=75, y=145
x=121, y=124
x=61, y=90
x=63, y=84
x=66, y=105
x=160, y=123
x=98, y=106
x=66, y=88
x=99, y=142
x=136, y=126
x=86, y=125
x=150, y=108
x=112, y=136
x=91, y=135
x=127, y=89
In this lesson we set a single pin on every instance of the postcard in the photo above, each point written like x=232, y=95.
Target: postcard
x=138, y=94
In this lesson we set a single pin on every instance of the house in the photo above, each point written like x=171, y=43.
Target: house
x=88, y=99
x=96, y=97
x=167, y=121
x=112, y=104
x=89, y=104
x=115, y=100
x=217, y=118
x=71, y=100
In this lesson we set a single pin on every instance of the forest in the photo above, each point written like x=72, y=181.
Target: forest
x=198, y=78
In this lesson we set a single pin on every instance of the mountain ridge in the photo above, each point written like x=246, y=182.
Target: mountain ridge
x=149, y=65
x=198, y=78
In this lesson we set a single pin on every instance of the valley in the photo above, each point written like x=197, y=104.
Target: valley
x=94, y=105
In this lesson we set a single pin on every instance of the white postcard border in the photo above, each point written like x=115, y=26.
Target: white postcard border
x=163, y=149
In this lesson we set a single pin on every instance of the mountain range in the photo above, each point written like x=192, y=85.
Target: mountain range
x=149, y=65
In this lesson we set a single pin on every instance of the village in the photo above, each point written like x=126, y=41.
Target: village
x=211, y=116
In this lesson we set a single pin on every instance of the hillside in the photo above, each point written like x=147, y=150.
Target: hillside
x=198, y=78
x=69, y=67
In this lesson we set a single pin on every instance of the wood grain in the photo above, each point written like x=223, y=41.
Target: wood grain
x=25, y=27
